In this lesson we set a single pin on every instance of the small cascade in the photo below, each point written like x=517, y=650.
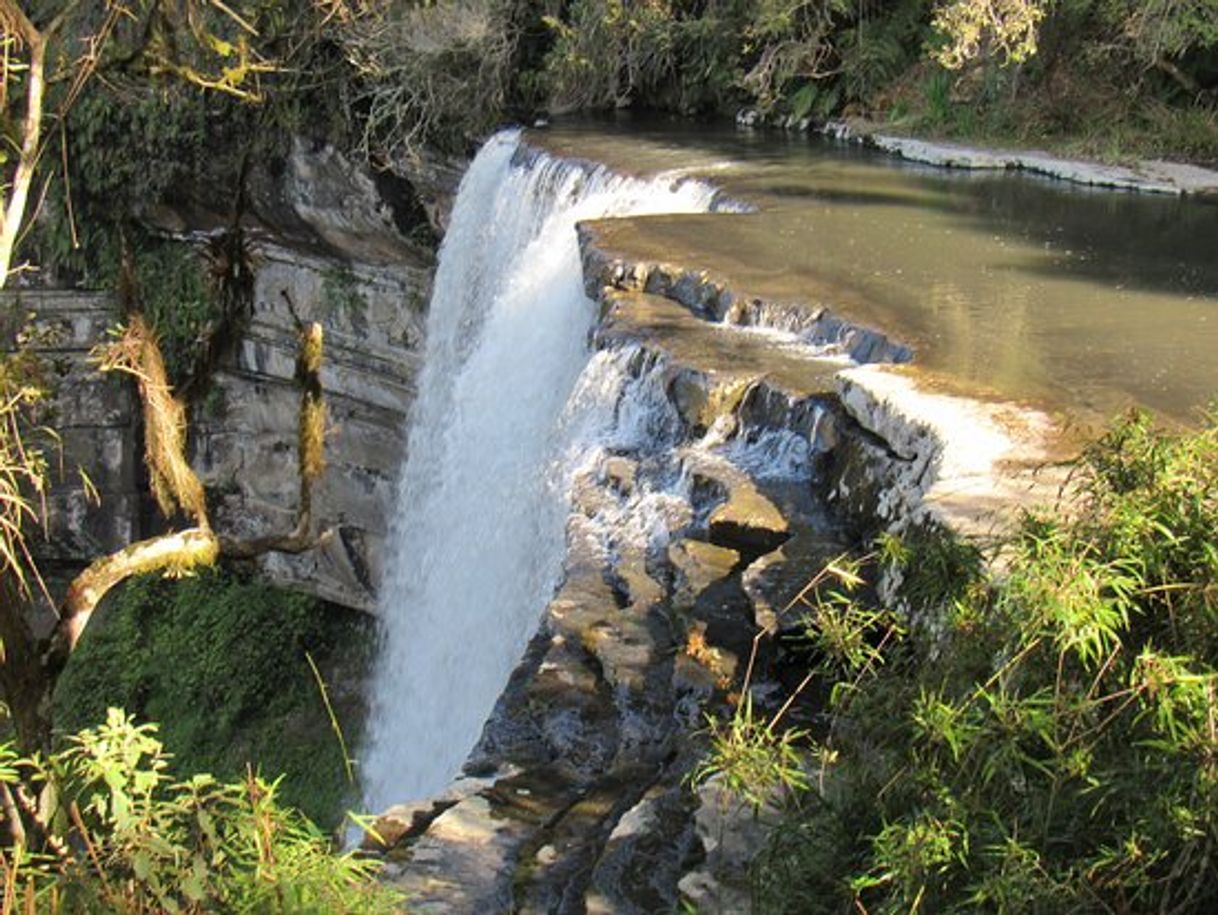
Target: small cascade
x=478, y=542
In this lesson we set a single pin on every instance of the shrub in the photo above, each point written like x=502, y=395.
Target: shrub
x=1043, y=740
x=134, y=839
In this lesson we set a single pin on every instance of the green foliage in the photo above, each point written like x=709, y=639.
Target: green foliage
x=753, y=757
x=1003, y=29
x=143, y=841
x=608, y=53
x=184, y=96
x=758, y=757
x=178, y=302
x=125, y=153
x=341, y=298
x=221, y=662
x=1045, y=742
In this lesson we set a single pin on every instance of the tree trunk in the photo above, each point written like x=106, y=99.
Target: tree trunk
x=13, y=216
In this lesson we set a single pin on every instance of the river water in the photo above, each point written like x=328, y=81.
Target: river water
x=1086, y=299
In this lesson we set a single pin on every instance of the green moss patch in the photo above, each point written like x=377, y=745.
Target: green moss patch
x=220, y=662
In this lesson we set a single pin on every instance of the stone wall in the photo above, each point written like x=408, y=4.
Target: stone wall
x=333, y=245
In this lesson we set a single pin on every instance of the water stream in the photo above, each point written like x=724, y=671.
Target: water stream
x=478, y=540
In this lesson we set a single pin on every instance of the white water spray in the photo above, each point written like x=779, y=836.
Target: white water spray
x=478, y=543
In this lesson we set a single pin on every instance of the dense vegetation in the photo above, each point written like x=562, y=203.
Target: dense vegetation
x=1105, y=78
x=1036, y=739
x=193, y=655
x=1035, y=742
x=125, y=835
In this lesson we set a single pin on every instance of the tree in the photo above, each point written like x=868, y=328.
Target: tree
x=53, y=50
x=1002, y=29
x=32, y=664
x=209, y=45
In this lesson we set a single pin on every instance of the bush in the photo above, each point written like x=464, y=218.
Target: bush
x=432, y=74
x=1043, y=740
x=136, y=840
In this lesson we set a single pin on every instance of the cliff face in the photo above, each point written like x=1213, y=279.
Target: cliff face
x=333, y=244
x=244, y=443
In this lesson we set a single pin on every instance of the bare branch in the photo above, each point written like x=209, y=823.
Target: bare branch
x=15, y=22
x=176, y=553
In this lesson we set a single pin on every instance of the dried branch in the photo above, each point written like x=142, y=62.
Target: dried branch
x=174, y=483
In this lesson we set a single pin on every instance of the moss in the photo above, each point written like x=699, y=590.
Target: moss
x=219, y=661
x=342, y=298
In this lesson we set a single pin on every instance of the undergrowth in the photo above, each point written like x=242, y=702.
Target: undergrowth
x=125, y=835
x=1041, y=739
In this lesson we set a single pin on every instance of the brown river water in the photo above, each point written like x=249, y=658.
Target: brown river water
x=1014, y=285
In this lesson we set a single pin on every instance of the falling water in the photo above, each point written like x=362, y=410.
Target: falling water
x=477, y=543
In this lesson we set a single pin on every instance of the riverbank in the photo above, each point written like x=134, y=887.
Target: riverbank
x=1158, y=176
x=1145, y=175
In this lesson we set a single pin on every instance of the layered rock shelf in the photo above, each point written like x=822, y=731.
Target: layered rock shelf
x=1152, y=176
x=327, y=248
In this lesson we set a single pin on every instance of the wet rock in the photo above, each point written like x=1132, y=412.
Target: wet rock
x=774, y=581
x=919, y=456
x=462, y=863
x=730, y=833
x=698, y=565
x=645, y=855
x=402, y=823
x=745, y=519
x=621, y=472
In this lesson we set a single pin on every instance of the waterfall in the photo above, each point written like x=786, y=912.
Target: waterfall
x=477, y=543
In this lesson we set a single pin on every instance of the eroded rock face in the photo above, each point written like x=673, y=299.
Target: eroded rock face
x=766, y=457
x=244, y=441
x=585, y=804
x=94, y=417
x=332, y=243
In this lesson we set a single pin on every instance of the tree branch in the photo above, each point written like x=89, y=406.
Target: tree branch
x=176, y=553
x=18, y=24
x=175, y=482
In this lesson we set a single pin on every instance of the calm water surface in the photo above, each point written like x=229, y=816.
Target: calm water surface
x=1087, y=299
